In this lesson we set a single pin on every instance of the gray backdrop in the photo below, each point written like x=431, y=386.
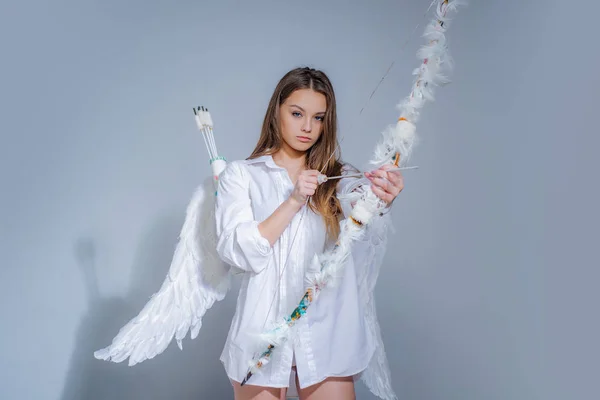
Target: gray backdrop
x=488, y=287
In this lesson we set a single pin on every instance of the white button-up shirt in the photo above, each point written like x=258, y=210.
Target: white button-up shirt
x=339, y=334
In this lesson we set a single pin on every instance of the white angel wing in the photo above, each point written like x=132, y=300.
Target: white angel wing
x=197, y=278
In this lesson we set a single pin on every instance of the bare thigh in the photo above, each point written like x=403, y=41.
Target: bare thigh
x=329, y=389
x=250, y=392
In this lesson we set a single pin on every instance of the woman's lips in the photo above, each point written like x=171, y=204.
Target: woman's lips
x=303, y=138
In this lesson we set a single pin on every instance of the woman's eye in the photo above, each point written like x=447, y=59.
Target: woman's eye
x=296, y=114
x=320, y=119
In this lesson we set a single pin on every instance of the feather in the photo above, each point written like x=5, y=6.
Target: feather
x=196, y=279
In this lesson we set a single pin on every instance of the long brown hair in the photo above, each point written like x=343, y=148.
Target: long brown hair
x=324, y=201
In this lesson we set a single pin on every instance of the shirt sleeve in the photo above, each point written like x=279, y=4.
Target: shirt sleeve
x=367, y=255
x=239, y=241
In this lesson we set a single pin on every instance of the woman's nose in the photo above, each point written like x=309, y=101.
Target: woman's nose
x=306, y=126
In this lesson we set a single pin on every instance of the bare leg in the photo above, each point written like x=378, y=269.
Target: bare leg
x=329, y=389
x=250, y=392
x=283, y=394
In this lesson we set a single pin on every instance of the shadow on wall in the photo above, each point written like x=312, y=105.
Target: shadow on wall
x=194, y=373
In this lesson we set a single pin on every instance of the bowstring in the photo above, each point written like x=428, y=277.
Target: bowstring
x=394, y=61
x=282, y=271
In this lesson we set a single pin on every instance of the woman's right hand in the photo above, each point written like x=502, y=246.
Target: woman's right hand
x=305, y=186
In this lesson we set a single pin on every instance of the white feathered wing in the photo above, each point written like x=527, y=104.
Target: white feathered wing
x=197, y=278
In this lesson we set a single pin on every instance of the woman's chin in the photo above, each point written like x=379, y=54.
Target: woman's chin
x=304, y=147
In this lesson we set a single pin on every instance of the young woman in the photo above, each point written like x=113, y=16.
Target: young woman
x=272, y=217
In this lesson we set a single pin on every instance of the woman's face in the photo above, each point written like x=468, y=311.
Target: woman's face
x=301, y=119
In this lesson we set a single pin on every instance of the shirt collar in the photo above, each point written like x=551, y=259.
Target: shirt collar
x=267, y=159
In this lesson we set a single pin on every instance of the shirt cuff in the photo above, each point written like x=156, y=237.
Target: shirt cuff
x=245, y=248
x=250, y=238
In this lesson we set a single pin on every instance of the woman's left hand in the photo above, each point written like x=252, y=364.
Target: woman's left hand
x=386, y=184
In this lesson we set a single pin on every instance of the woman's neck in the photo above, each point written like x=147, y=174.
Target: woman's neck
x=293, y=161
